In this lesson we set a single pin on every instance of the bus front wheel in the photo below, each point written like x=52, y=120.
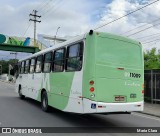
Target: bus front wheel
x=44, y=101
x=20, y=93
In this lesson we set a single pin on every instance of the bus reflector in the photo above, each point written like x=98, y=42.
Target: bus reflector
x=138, y=105
x=143, y=86
x=99, y=106
x=92, y=95
x=92, y=89
x=142, y=91
x=80, y=96
x=120, y=68
x=91, y=82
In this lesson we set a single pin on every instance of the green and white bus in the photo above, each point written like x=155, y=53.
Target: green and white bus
x=93, y=73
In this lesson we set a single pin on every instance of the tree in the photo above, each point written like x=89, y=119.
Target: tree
x=5, y=65
x=152, y=59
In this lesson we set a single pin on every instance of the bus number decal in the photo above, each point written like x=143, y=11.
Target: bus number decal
x=134, y=75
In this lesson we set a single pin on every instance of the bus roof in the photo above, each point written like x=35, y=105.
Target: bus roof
x=118, y=37
x=79, y=38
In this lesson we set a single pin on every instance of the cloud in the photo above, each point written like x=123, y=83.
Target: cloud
x=74, y=17
x=146, y=17
x=77, y=17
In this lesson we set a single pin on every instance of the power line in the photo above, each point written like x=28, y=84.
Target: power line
x=45, y=5
x=140, y=26
x=153, y=37
x=26, y=29
x=143, y=30
x=41, y=5
x=126, y=15
x=55, y=7
x=29, y=24
x=133, y=29
x=152, y=41
x=143, y=37
x=50, y=8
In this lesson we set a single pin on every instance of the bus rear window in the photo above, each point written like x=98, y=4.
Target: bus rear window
x=115, y=52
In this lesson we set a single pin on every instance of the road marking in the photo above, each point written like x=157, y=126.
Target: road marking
x=144, y=116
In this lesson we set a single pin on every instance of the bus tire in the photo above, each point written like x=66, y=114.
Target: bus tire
x=20, y=93
x=44, y=101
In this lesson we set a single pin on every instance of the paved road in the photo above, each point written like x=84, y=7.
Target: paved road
x=27, y=113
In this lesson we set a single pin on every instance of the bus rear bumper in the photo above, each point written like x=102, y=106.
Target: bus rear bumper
x=101, y=107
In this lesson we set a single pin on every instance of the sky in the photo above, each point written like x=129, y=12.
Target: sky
x=75, y=17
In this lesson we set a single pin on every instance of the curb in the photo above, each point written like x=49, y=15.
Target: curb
x=151, y=114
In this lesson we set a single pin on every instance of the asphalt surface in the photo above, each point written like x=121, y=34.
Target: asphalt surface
x=15, y=112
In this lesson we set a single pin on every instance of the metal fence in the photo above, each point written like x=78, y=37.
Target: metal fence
x=152, y=85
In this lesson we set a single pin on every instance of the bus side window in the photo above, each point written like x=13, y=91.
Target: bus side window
x=74, y=57
x=32, y=66
x=58, y=62
x=22, y=67
x=27, y=66
x=39, y=62
x=47, y=62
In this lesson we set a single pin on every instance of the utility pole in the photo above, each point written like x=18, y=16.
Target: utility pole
x=34, y=19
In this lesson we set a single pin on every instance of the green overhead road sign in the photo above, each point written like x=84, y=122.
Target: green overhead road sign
x=17, y=48
x=18, y=44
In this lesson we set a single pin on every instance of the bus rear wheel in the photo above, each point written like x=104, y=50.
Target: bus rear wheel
x=20, y=93
x=44, y=101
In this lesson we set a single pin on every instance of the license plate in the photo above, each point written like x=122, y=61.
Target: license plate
x=119, y=98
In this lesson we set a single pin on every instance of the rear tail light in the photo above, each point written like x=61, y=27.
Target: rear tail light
x=92, y=89
x=91, y=82
x=142, y=91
